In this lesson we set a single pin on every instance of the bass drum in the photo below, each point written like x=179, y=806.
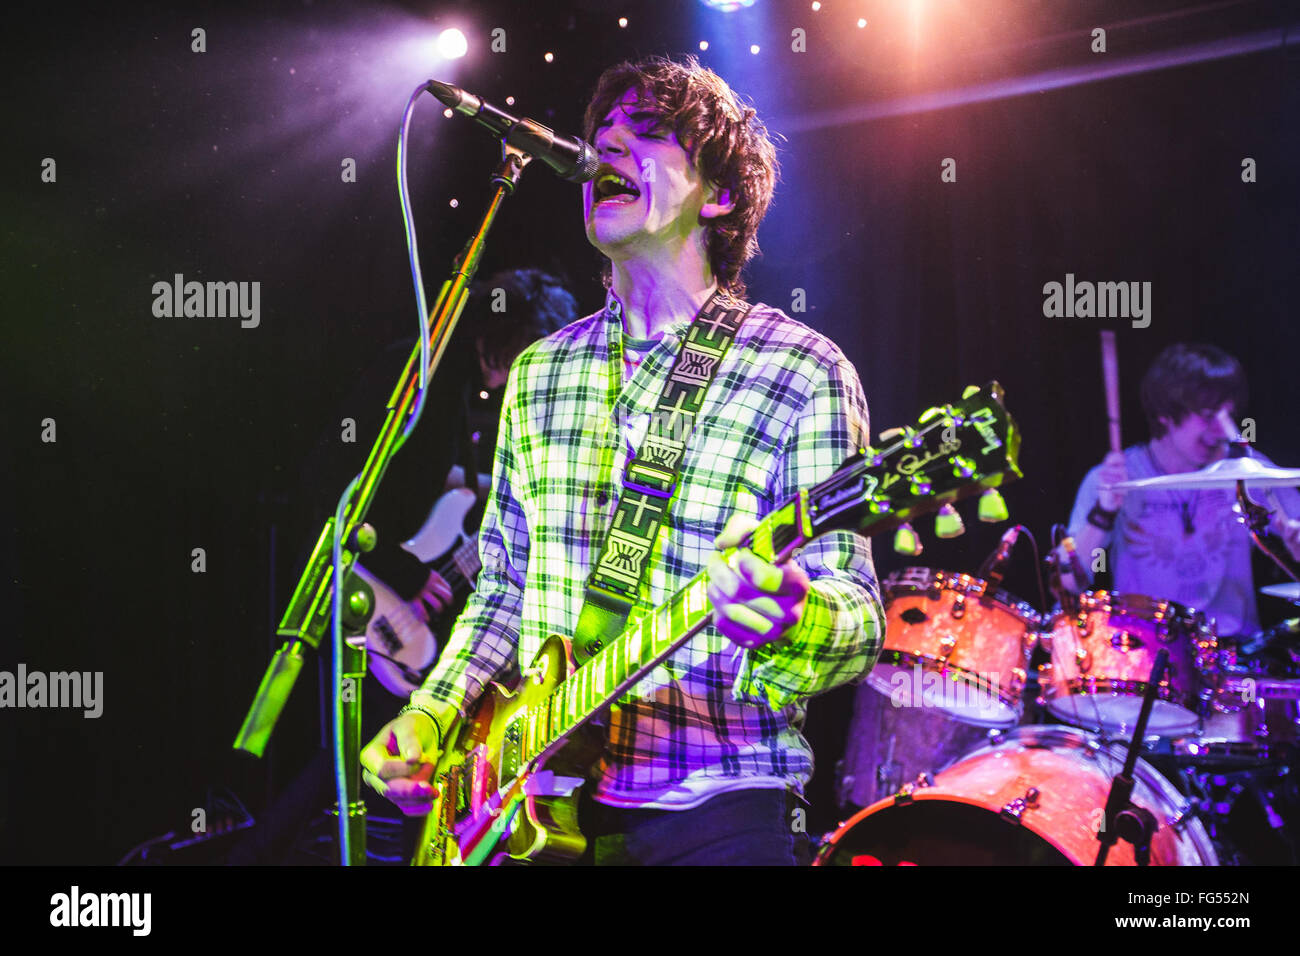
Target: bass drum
x=1034, y=797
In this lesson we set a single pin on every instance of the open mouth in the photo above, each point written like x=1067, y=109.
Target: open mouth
x=614, y=188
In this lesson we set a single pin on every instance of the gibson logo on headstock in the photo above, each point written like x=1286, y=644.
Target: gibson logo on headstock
x=910, y=464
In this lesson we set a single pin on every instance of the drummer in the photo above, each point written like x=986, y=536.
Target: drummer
x=1187, y=545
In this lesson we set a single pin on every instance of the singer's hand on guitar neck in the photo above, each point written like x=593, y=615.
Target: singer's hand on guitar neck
x=754, y=602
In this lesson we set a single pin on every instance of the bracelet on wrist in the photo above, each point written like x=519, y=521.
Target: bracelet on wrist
x=421, y=709
x=1099, y=517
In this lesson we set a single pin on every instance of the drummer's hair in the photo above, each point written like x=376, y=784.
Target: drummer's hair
x=1187, y=378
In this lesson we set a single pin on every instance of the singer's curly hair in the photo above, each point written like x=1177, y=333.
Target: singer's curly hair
x=723, y=137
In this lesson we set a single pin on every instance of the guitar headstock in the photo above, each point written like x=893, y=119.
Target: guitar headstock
x=952, y=452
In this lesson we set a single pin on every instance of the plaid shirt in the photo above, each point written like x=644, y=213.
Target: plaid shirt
x=784, y=411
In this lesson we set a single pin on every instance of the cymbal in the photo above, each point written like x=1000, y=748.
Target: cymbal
x=1287, y=592
x=1221, y=474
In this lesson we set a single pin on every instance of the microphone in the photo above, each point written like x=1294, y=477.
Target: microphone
x=570, y=158
x=994, y=568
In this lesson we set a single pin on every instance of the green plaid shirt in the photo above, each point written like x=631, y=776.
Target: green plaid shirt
x=784, y=412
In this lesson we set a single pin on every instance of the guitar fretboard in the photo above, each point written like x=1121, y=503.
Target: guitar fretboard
x=645, y=643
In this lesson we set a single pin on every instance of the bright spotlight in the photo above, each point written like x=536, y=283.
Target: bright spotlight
x=452, y=44
x=727, y=6
x=549, y=58
x=817, y=5
x=862, y=22
x=622, y=21
x=754, y=49
x=704, y=44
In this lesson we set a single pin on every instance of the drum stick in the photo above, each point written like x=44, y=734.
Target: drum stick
x=1110, y=374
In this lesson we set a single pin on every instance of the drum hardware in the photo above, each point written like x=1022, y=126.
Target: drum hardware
x=1126, y=641
x=1123, y=819
x=1016, y=808
x=908, y=791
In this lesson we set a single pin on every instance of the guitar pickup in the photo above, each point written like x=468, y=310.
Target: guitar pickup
x=512, y=748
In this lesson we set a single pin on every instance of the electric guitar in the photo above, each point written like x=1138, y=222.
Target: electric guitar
x=507, y=781
x=403, y=647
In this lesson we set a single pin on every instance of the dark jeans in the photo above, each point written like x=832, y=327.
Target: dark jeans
x=740, y=828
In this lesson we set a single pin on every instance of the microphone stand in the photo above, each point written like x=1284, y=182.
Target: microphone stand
x=1123, y=819
x=1255, y=517
x=306, y=619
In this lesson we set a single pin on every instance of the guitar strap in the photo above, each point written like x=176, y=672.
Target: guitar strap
x=650, y=478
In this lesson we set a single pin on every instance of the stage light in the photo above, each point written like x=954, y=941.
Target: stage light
x=817, y=5
x=448, y=113
x=549, y=58
x=727, y=6
x=454, y=203
x=622, y=21
x=510, y=101
x=754, y=48
x=862, y=22
x=704, y=44
x=452, y=44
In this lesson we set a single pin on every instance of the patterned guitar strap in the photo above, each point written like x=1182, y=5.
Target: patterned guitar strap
x=650, y=479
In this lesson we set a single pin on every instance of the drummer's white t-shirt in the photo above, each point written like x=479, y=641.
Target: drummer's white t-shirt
x=1184, y=546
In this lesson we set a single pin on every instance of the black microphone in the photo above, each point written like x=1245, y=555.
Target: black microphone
x=569, y=157
x=994, y=568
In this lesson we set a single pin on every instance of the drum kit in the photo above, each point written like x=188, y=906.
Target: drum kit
x=952, y=767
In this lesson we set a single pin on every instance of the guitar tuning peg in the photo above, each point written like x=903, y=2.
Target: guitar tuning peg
x=890, y=434
x=929, y=413
x=920, y=485
x=947, y=523
x=907, y=541
x=962, y=467
x=969, y=391
x=993, y=507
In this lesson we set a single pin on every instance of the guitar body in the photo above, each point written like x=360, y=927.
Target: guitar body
x=480, y=782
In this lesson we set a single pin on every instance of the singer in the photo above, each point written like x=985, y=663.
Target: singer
x=704, y=760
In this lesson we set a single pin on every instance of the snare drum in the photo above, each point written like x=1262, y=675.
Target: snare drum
x=1102, y=657
x=1035, y=796
x=954, y=645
